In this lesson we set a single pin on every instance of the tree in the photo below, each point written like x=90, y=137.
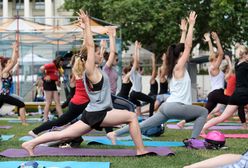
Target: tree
x=155, y=23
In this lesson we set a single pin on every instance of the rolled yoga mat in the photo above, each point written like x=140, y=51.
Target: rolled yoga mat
x=228, y=127
x=51, y=151
x=130, y=143
x=69, y=164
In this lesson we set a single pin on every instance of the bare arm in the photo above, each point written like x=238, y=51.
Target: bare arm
x=13, y=60
x=90, y=63
x=180, y=66
x=228, y=74
x=220, y=50
x=183, y=27
x=103, y=45
x=154, y=73
x=136, y=55
x=112, y=34
x=210, y=45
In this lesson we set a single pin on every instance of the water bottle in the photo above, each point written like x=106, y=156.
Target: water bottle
x=39, y=109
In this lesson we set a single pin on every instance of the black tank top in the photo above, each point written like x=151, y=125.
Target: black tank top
x=153, y=89
x=125, y=89
x=163, y=87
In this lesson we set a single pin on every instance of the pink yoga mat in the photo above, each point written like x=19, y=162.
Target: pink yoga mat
x=244, y=136
x=218, y=127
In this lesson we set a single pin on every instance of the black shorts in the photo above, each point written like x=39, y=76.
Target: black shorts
x=94, y=119
x=49, y=85
x=239, y=97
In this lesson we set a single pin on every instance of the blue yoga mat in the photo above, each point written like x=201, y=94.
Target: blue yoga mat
x=69, y=164
x=26, y=138
x=130, y=143
x=28, y=120
x=6, y=137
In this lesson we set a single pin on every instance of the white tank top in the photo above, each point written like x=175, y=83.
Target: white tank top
x=217, y=82
x=180, y=90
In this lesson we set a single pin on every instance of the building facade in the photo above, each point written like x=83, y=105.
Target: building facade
x=42, y=11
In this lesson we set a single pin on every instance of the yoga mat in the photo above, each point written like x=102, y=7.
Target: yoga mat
x=33, y=120
x=243, y=136
x=50, y=151
x=130, y=143
x=91, y=138
x=228, y=127
x=6, y=137
x=5, y=127
x=70, y=164
x=220, y=124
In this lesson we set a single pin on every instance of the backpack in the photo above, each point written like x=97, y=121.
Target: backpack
x=201, y=144
x=154, y=131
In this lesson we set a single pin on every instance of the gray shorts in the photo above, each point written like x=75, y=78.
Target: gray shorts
x=162, y=98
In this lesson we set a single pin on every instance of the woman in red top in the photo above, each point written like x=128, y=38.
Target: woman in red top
x=51, y=76
x=76, y=106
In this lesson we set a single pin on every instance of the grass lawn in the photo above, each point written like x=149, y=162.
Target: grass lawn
x=183, y=156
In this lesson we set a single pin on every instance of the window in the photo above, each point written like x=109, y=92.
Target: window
x=39, y=4
x=19, y=4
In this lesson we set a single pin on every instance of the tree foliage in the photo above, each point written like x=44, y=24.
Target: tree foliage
x=156, y=22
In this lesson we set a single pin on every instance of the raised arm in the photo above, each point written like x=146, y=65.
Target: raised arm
x=112, y=34
x=220, y=50
x=188, y=43
x=136, y=55
x=90, y=62
x=13, y=60
x=230, y=69
x=154, y=72
x=210, y=45
x=183, y=28
x=103, y=45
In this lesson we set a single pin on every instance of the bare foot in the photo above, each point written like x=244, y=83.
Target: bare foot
x=181, y=124
x=244, y=126
x=31, y=133
x=29, y=148
x=112, y=136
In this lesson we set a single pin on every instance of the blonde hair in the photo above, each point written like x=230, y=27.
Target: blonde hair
x=78, y=67
x=241, y=50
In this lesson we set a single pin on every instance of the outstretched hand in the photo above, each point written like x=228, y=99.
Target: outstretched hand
x=214, y=36
x=206, y=37
x=111, y=31
x=192, y=18
x=83, y=18
x=183, y=25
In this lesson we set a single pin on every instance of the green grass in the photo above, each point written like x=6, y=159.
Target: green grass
x=183, y=156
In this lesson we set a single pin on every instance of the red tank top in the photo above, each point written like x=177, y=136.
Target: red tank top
x=80, y=96
x=52, y=71
x=231, y=85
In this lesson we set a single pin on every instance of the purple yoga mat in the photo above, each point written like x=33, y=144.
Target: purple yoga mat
x=51, y=151
x=5, y=127
x=244, y=136
x=218, y=127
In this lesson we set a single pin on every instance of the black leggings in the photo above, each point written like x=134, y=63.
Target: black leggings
x=73, y=112
x=215, y=97
x=12, y=101
x=136, y=96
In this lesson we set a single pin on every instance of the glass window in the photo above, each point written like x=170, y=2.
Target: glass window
x=39, y=4
x=19, y=4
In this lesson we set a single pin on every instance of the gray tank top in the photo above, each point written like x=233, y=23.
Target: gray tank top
x=101, y=99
